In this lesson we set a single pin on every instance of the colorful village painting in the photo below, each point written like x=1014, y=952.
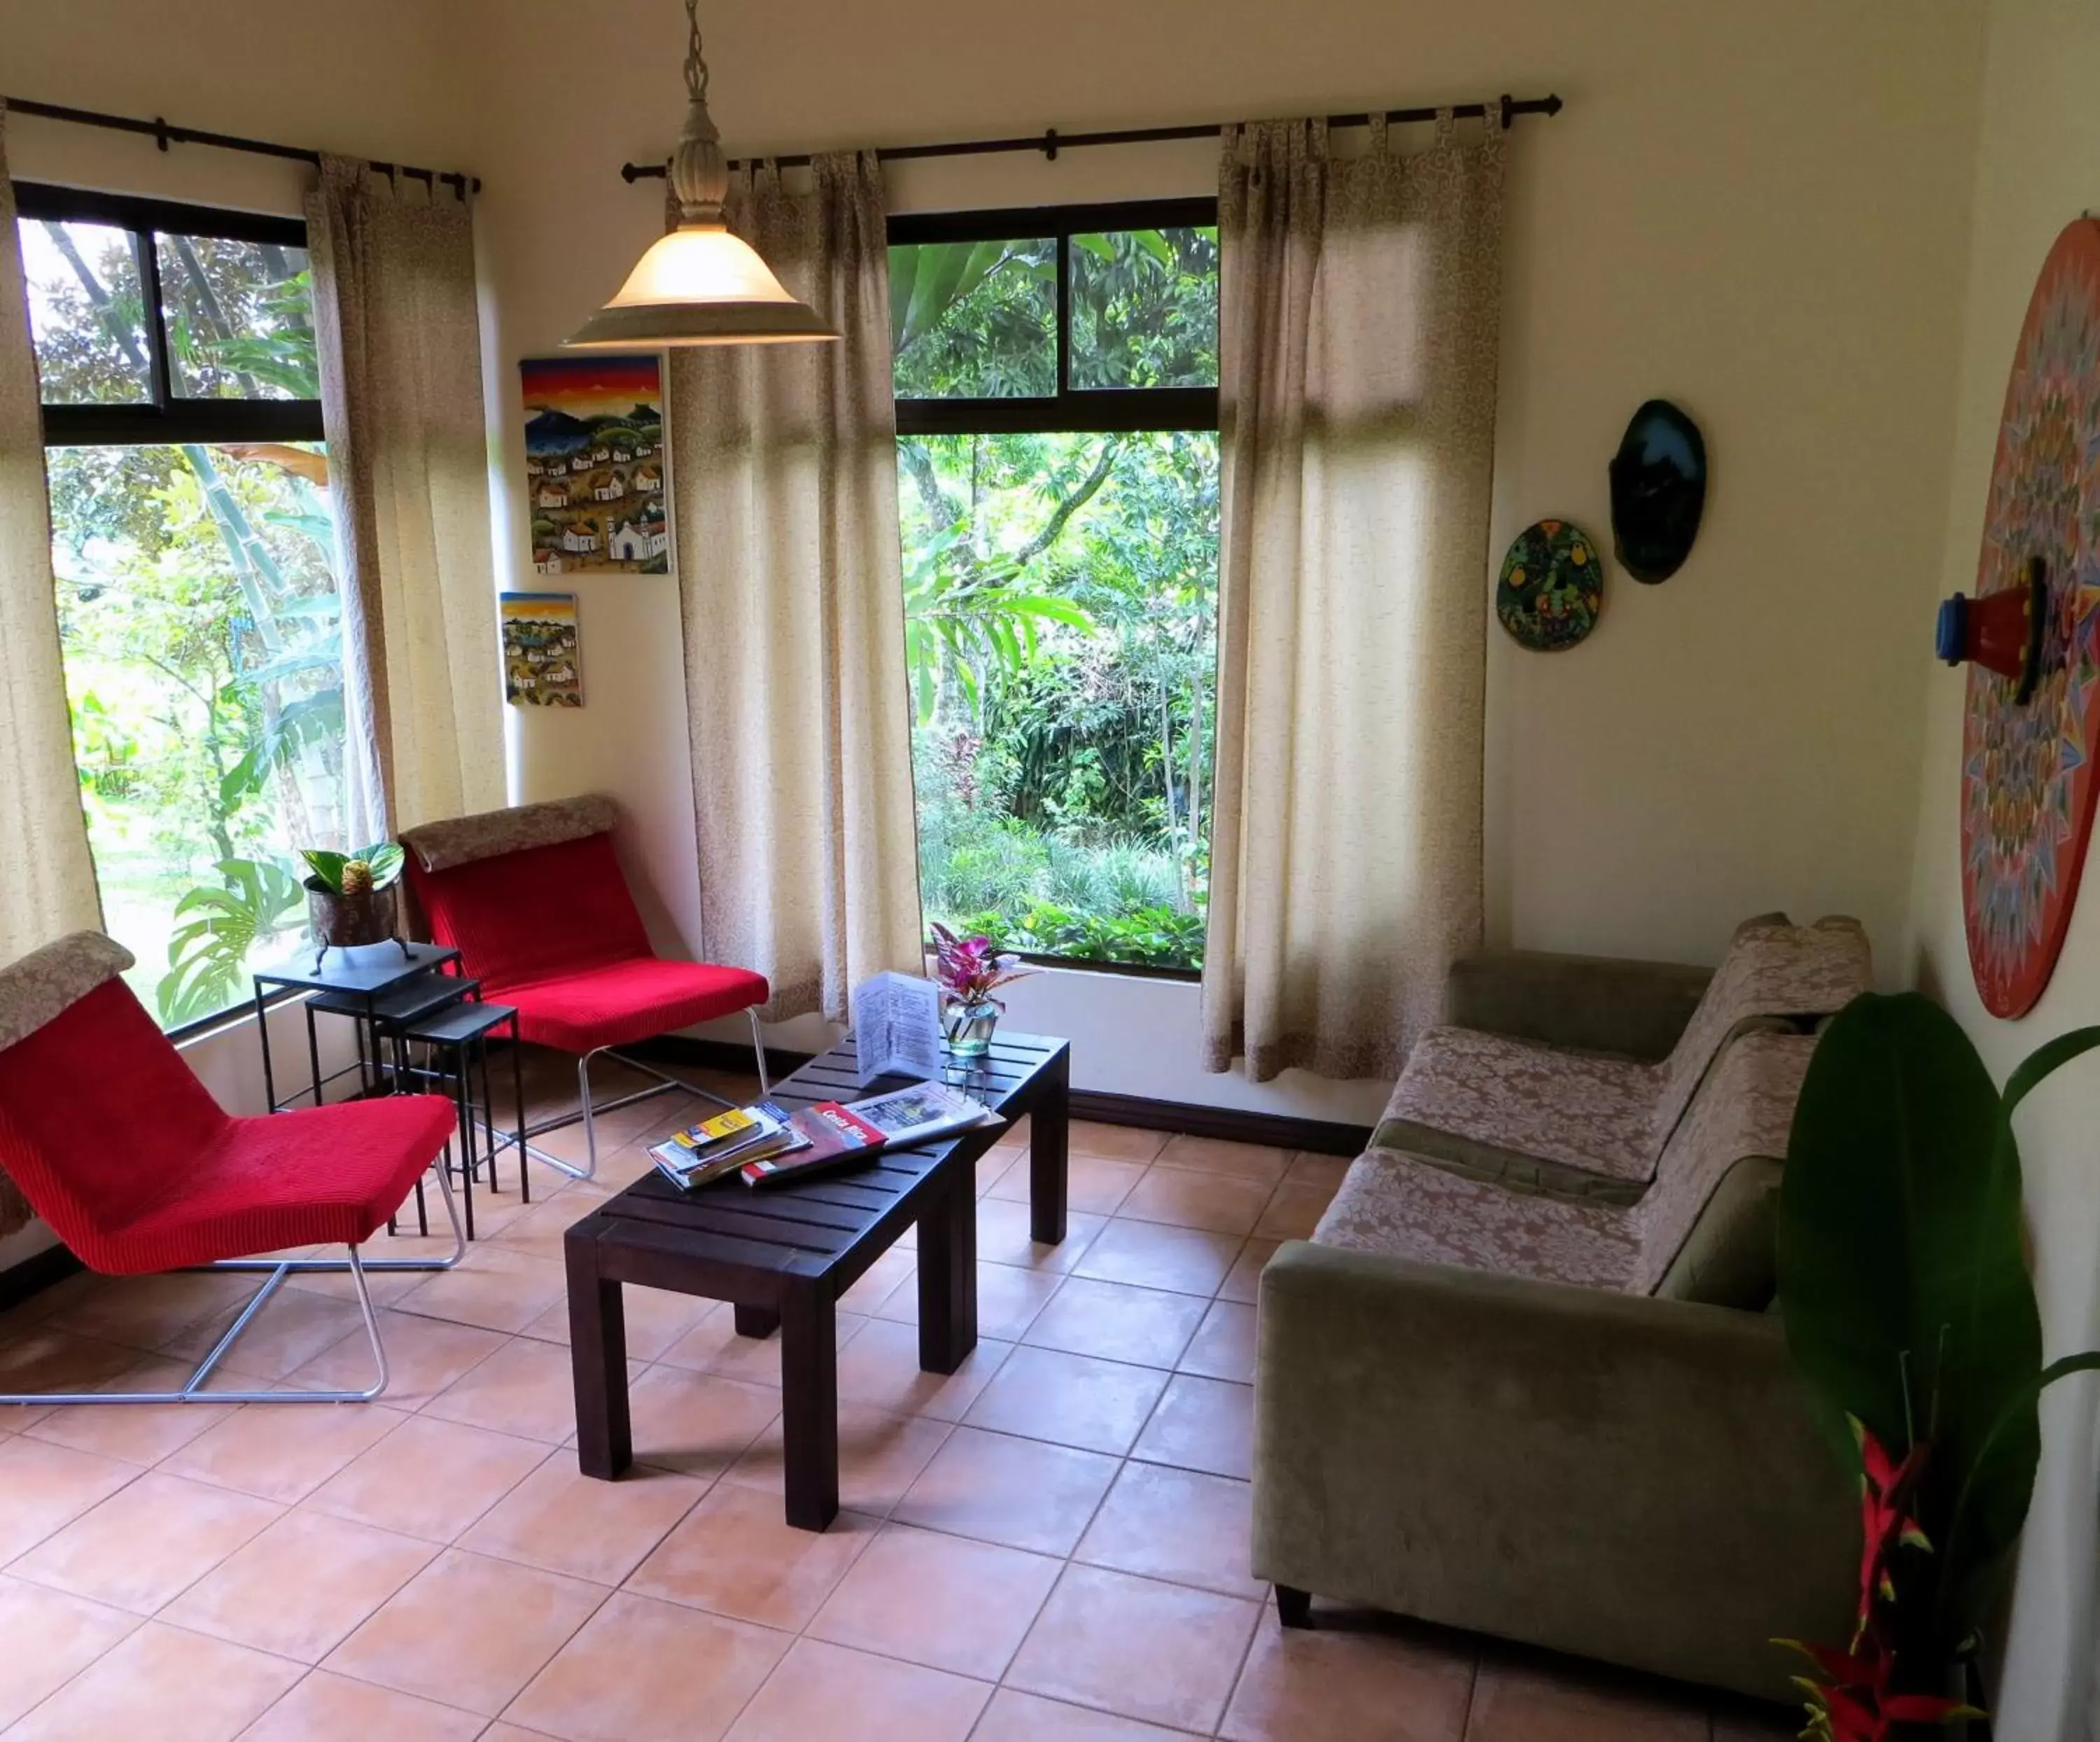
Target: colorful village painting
x=595, y=464
x=542, y=664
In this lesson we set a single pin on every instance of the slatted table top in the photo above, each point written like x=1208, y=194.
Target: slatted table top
x=830, y=1227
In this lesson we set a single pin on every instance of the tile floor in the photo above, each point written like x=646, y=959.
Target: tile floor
x=1047, y=1546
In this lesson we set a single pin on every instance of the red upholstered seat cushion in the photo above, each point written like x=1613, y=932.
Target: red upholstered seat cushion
x=553, y=931
x=124, y=1152
x=630, y=1000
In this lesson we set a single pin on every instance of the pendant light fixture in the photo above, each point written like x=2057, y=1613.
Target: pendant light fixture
x=700, y=285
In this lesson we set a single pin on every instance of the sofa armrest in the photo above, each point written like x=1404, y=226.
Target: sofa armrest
x=1599, y=1003
x=1619, y=1476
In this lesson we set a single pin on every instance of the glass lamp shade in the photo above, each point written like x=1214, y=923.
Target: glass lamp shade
x=700, y=285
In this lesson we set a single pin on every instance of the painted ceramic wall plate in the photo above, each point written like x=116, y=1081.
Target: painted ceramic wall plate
x=1658, y=492
x=2027, y=785
x=1552, y=587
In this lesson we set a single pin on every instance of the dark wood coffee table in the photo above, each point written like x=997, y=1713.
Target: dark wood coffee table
x=783, y=1257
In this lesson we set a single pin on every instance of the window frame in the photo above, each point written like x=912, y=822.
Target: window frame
x=171, y=419
x=1080, y=411
x=1077, y=411
x=167, y=417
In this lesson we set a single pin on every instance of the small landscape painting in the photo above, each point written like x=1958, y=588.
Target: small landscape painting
x=542, y=664
x=595, y=465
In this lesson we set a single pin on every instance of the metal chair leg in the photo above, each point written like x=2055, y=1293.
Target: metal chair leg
x=758, y=1051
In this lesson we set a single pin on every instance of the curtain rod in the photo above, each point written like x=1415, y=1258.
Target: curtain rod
x=1051, y=142
x=164, y=134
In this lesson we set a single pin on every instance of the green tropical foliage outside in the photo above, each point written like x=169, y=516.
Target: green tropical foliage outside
x=1061, y=598
x=197, y=606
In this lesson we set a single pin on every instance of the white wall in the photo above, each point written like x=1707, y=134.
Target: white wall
x=1757, y=210
x=2039, y=167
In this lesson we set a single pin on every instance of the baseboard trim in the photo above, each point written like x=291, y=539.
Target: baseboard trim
x=35, y=1273
x=1229, y=1125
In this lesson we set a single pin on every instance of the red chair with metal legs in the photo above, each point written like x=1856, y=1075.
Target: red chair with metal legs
x=535, y=901
x=114, y=1143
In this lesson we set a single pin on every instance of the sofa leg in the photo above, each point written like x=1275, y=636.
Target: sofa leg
x=1293, y=1607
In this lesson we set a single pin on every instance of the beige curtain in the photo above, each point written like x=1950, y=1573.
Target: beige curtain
x=793, y=594
x=399, y=337
x=46, y=877
x=1360, y=307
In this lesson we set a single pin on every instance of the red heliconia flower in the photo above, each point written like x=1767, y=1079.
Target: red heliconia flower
x=1885, y=1519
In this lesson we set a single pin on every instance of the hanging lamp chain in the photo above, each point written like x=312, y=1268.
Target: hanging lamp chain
x=699, y=172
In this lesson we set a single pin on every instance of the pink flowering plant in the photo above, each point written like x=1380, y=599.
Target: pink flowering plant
x=970, y=969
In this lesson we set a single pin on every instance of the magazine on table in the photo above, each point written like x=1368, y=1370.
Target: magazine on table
x=897, y=1028
x=841, y=1135
x=719, y=1146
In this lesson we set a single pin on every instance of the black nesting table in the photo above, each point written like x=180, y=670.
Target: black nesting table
x=783, y=1257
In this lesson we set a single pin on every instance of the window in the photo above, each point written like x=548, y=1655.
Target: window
x=1057, y=381
x=197, y=605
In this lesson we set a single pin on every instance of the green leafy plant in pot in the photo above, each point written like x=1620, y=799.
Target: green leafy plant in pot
x=1909, y=1312
x=351, y=896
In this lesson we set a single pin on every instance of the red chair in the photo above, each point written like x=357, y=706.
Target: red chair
x=115, y=1144
x=534, y=899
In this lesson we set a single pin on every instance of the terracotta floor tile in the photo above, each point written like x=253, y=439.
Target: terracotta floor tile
x=45, y=1487
x=1136, y=1646
x=734, y=1554
x=1117, y=1322
x=494, y=1289
x=148, y=1312
x=880, y=1456
x=826, y=1693
x=1352, y=1686
x=326, y=1707
x=164, y=1683
x=642, y=1671
x=1202, y=1424
x=147, y=1542
x=1212, y=1155
x=1093, y=1184
x=294, y=1325
x=41, y=1357
x=561, y=1520
x=1517, y=1703
x=1188, y=1261
x=1175, y=1525
x=301, y=1587
x=1025, y=1493
x=429, y=1478
x=1218, y=1203
x=712, y=1344
x=525, y=1388
x=697, y=1424
x=1015, y=1717
x=467, y=1631
x=423, y=1356
x=1295, y=1209
x=1008, y=1299
x=1224, y=1345
x=1003, y=1236
x=538, y=1231
x=283, y=1451
x=943, y=1601
x=1116, y=1142
x=136, y=1433
x=880, y=1368
x=1318, y=1171
x=1074, y=1399
x=875, y=1282
x=47, y=1637
x=1244, y=1283
x=656, y=1319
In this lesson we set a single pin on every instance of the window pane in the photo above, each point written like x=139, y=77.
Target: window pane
x=974, y=319
x=85, y=304
x=240, y=320
x=1145, y=308
x=1060, y=596
x=197, y=611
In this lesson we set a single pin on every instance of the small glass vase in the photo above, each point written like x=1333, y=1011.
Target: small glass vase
x=968, y=1027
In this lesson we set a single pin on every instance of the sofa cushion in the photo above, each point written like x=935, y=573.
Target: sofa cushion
x=1730, y=1258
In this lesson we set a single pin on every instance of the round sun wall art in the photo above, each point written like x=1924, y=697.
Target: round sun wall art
x=2027, y=787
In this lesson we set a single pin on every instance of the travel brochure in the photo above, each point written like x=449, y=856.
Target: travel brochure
x=765, y=1145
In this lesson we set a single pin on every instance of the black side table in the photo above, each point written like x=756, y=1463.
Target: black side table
x=456, y=1038
x=354, y=989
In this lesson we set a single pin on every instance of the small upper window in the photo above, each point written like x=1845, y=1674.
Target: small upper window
x=87, y=313
x=1145, y=308
x=974, y=319
x=239, y=319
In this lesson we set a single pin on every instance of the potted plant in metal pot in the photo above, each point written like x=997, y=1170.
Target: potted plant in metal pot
x=969, y=970
x=351, y=896
x=1909, y=1312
